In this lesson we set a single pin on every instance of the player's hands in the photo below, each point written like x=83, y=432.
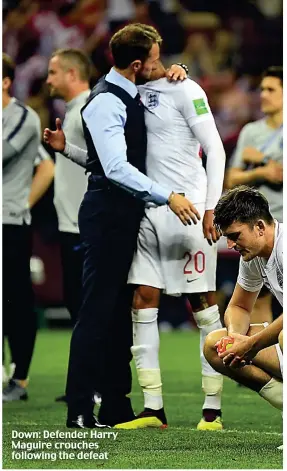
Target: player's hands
x=209, y=230
x=56, y=139
x=251, y=155
x=273, y=172
x=224, y=343
x=240, y=353
x=183, y=208
x=175, y=73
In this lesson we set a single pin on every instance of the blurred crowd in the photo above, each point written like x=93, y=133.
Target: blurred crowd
x=218, y=41
x=226, y=45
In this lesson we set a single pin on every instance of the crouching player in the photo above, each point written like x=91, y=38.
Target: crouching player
x=250, y=354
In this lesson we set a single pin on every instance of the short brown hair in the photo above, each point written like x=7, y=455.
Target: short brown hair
x=241, y=204
x=133, y=42
x=77, y=58
x=8, y=67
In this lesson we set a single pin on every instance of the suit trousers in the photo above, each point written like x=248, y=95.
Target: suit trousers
x=100, y=353
x=72, y=266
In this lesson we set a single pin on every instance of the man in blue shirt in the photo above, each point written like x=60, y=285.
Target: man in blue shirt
x=109, y=217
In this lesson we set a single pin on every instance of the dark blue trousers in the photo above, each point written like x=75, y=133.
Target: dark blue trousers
x=19, y=316
x=100, y=353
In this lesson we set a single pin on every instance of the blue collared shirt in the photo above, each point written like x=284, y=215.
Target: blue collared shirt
x=105, y=117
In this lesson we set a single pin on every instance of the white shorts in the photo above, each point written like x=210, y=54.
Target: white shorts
x=171, y=256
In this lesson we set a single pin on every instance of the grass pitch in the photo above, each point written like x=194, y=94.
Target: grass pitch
x=252, y=427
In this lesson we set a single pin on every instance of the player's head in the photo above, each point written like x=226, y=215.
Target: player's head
x=136, y=48
x=68, y=69
x=159, y=71
x=243, y=216
x=8, y=74
x=272, y=90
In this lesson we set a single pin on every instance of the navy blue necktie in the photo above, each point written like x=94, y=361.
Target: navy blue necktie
x=138, y=99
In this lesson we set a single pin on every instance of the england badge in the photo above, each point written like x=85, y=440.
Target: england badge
x=152, y=100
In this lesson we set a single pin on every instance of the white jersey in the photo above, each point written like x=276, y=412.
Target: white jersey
x=170, y=256
x=259, y=271
x=173, y=158
x=70, y=178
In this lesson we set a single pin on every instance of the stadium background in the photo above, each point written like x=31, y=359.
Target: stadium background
x=226, y=45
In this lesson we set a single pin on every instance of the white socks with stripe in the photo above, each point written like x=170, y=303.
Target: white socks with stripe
x=207, y=321
x=145, y=351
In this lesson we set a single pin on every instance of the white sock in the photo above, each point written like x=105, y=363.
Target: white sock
x=212, y=401
x=145, y=351
x=273, y=393
x=208, y=320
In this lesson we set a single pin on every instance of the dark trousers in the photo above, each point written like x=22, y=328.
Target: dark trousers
x=19, y=317
x=100, y=346
x=72, y=266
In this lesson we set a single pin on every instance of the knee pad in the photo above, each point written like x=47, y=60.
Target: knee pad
x=144, y=316
x=149, y=379
x=212, y=384
x=207, y=317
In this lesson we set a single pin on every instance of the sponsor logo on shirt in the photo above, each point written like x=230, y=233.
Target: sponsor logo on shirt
x=152, y=100
x=200, y=106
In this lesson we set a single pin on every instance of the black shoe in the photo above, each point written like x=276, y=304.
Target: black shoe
x=14, y=392
x=61, y=398
x=159, y=414
x=87, y=422
x=211, y=414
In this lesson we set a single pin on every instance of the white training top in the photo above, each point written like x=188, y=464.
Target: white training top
x=259, y=271
x=70, y=179
x=179, y=121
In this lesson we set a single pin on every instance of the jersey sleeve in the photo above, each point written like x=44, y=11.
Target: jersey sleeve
x=192, y=102
x=75, y=154
x=249, y=276
x=23, y=127
x=209, y=139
